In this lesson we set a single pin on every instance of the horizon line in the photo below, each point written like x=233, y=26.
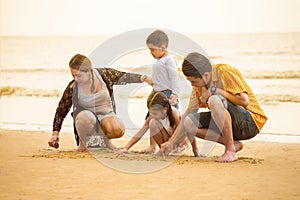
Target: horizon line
x=112, y=34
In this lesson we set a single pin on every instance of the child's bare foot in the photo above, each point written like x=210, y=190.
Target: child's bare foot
x=149, y=150
x=228, y=156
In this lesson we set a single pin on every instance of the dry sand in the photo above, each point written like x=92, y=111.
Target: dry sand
x=31, y=170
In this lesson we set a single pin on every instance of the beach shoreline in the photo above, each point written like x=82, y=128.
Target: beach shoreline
x=29, y=169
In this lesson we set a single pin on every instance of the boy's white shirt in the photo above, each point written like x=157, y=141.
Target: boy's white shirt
x=165, y=75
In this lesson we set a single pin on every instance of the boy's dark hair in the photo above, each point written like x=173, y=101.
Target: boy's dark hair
x=158, y=38
x=195, y=65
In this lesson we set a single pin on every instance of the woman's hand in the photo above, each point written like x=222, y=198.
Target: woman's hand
x=53, y=141
x=147, y=79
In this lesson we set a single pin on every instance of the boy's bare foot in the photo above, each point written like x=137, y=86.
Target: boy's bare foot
x=228, y=156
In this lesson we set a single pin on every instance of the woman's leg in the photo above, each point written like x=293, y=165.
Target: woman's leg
x=112, y=127
x=85, y=123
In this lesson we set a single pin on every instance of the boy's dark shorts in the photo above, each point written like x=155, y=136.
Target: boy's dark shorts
x=243, y=126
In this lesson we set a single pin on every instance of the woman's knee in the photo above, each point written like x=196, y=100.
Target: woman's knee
x=85, y=119
x=113, y=127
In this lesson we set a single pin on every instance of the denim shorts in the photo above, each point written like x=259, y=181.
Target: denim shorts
x=100, y=117
x=243, y=125
x=168, y=93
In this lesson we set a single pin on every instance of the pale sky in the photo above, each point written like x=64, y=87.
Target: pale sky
x=94, y=17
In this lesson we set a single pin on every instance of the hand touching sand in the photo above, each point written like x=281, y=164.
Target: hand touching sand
x=53, y=141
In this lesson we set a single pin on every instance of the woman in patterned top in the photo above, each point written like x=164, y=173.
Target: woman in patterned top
x=91, y=95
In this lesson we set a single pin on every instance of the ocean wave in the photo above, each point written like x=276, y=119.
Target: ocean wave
x=11, y=91
x=273, y=53
x=278, y=98
x=147, y=69
x=34, y=70
x=290, y=74
x=21, y=91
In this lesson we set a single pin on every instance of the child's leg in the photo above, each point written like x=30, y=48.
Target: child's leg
x=158, y=132
x=152, y=146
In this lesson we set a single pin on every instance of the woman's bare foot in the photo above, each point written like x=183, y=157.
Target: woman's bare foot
x=110, y=145
x=228, y=156
x=81, y=148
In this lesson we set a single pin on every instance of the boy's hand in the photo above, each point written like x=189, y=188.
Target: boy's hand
x=173, y=99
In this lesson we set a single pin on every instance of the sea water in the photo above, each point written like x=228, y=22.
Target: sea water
x=34, y=72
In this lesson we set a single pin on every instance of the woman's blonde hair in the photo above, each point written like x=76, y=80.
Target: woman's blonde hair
x=84, y=64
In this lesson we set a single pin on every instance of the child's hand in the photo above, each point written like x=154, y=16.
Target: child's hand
x=165, y=149
x=173, y=99
x=121, y=151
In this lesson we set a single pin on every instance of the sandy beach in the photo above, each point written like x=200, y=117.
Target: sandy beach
x=31, y=170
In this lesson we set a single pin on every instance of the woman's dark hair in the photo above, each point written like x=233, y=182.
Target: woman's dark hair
x=158, y=38
x=195, y=65
x=159, y=101
x=84, y=64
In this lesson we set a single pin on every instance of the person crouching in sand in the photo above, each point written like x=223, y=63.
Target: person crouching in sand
x=234, y=115
x=162, y=121
x=91, y=95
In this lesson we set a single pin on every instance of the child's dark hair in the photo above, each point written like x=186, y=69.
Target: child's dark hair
x=158, y=38
x=195, y=65
x=159, y=101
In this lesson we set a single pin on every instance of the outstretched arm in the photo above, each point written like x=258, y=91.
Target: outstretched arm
x=117, y=77
x=135, y=138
